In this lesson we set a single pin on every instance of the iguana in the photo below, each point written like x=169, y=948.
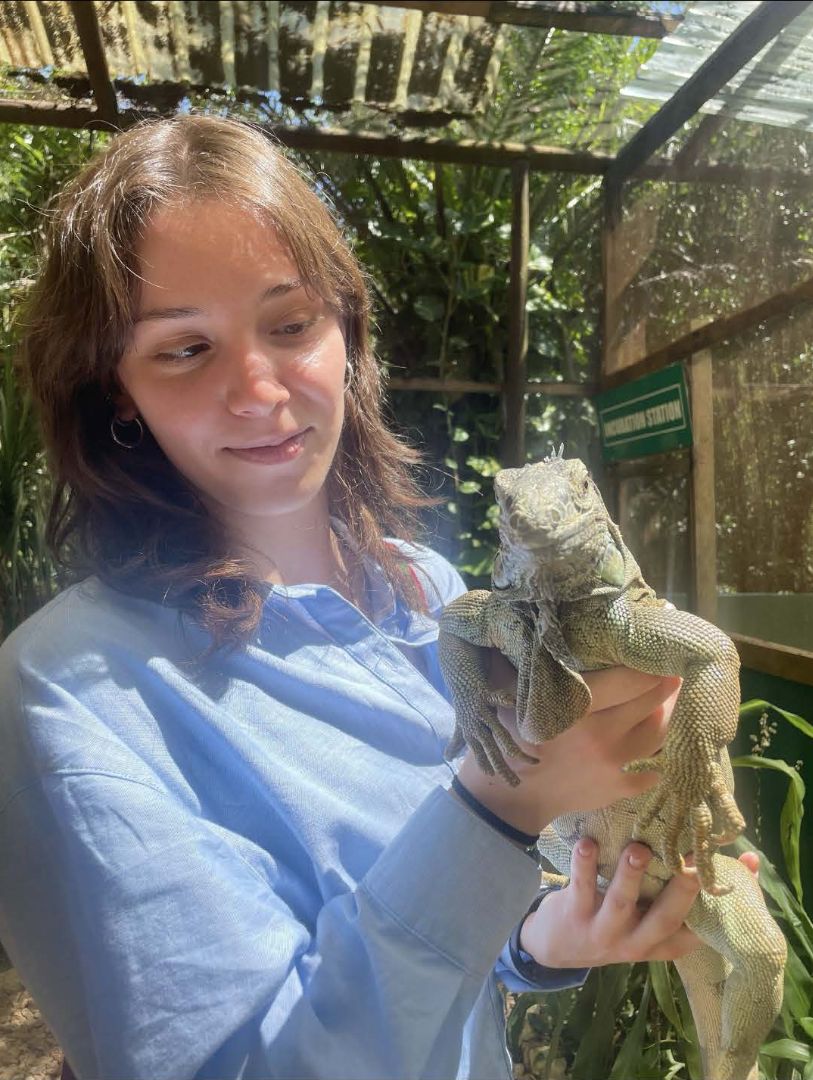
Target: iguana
x=567, y=596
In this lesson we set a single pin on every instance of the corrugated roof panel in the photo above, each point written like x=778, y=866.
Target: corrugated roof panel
x=309, y=51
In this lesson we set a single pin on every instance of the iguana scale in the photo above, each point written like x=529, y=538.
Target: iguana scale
x=567, y=596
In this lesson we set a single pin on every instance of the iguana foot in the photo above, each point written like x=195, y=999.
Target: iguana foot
x=490, y=741
x=682, y=807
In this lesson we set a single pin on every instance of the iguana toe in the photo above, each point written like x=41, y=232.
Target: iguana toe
x=651, y=764
x=728, y=815
x=491, y=742
x=505, y=698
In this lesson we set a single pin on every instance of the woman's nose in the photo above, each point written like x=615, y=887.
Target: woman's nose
x=254, y=384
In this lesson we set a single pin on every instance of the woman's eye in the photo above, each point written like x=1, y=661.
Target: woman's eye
x=294, y=329
x=184, y=353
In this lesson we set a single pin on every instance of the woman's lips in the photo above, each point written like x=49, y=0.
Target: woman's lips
x=273, y=455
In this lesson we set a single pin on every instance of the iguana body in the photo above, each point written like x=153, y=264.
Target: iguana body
x=567, y=596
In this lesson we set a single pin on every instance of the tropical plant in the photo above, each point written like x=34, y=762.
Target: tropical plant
x=34, y=163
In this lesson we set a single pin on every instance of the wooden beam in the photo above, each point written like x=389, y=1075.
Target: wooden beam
x=471, y=386
x=516, y=363
x=545, y=159
x=47, y=114
x=780, y=660
x=90, y=38
x=727, y=326
x=753, y=33
x=464, y=152
x=702, y=504
x=566, y=15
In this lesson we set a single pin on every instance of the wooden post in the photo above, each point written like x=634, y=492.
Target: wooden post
x=611, y=219
x=513, y=441
x=703, y=514
x=90, y=39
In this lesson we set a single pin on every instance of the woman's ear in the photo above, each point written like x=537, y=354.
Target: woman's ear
x=123, y=406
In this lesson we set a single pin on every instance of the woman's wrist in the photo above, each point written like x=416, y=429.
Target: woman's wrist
x=521, y=807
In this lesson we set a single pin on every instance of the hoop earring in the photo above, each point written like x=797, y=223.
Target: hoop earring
x=123, y=423
x=348, y=375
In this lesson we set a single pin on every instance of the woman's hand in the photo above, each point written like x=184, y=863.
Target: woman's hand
x=579, y=926
x=581, y=769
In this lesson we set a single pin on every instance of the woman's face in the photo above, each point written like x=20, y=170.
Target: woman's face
x=237, y=372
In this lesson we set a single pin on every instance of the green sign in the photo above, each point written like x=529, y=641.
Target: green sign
x=646, y=416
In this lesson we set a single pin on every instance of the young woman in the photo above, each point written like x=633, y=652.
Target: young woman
x=229, y=847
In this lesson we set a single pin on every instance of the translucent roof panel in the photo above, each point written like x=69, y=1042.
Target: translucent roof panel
x=774, y=88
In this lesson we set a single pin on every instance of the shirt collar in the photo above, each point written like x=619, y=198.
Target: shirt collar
x=391, y=617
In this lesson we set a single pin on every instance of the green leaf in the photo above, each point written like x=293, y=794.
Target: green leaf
x=755, y=707
x=790, y=820
x=626, y=1065
x=664, y=995
x=593, y=1056
x=429, y=308
x=787, y=1050
x=806, y=1023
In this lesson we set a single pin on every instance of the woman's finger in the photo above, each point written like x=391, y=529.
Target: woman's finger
x=666, y=915
x=584, y=878
x=637, y=729
x=617, y=686
x=680, y=943
x=750, y=860
x=620, y=905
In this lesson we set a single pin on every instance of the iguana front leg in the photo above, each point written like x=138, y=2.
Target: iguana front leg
x=692, y=793
x=469, y=627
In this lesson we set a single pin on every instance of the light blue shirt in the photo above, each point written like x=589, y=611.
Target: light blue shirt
x=253, y=869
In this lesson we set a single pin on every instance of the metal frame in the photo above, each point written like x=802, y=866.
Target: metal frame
x=761, y=27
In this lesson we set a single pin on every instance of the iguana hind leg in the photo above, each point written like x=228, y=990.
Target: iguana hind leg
x=734, y=982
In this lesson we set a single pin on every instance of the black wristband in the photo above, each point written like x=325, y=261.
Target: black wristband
x=528, y=840
x=523, y=962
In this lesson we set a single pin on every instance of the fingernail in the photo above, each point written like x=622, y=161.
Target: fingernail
x=585, y=847
x=637, y=861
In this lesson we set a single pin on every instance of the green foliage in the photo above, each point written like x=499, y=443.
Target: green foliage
x=633, y=1022
x=34, y=164
x=436, y=242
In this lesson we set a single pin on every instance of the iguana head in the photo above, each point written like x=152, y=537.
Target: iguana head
x=555, y=532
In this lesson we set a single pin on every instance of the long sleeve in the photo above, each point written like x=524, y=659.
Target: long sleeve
x=253, y=869
x=162, y=953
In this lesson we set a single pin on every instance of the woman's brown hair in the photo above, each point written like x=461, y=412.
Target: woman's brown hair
x=129, y=516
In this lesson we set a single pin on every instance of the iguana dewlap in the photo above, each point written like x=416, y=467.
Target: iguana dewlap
x=567, y=596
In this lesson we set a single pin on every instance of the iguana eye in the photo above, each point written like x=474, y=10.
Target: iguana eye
x=586, y=485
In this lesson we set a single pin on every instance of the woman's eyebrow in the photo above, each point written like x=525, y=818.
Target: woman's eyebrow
x=281, y=289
